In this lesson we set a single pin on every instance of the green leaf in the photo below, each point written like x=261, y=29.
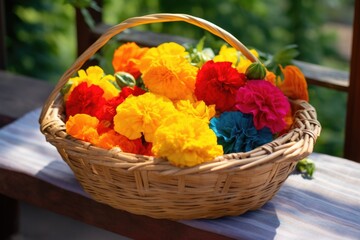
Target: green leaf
x=286, y=55
x=306, y=167
x=199, y=55
x=200, y=45
x=281, y=58
x=124, y=79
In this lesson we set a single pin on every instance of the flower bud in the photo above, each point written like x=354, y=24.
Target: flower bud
x=256, y=70
x=124, y=79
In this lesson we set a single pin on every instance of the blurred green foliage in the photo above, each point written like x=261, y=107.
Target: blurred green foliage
x=265, y=25
x=41, y=38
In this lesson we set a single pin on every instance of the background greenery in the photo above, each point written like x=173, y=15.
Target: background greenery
x=41, y=38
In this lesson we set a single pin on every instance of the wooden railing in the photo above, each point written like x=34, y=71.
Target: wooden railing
x=352, y=131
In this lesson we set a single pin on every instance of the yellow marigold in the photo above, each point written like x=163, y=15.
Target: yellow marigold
x=142, y=114
x=84, y=127
x=167, y=71
x=294, y=84
x=94, y=75
x=238, y=60
x=228, y=54
x=185, y=141
x=196, y=109
x=244, y=63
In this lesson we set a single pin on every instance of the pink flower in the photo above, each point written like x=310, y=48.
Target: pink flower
x=265, y=102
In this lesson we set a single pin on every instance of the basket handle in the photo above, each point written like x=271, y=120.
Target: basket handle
x=136, y=21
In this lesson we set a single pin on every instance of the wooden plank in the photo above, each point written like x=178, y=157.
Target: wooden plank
x=48, y=196
x=9, y=217
x=324, y=76
x=352, y=133
x=19, y=94
x=4, y=120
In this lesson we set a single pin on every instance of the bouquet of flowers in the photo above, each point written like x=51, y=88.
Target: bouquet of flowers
x=188, y=106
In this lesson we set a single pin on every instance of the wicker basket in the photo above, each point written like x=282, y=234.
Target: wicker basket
x=229, y=185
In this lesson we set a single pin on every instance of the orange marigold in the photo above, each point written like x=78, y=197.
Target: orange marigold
x=127, y=58
x=84, y=127
x=294, y=85
x=167, y=71
x=270, y=77
x=112, y=139
x=289, y=120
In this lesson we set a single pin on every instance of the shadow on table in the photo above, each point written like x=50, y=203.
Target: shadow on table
x=259, y=224
x=58, y=173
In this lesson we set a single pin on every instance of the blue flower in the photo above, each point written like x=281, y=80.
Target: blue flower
x=236, y=132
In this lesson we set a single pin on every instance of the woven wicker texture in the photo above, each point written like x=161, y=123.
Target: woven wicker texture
x=229, y=185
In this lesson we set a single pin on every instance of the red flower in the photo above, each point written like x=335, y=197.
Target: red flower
x=265, y=102
x=108, y=110
x=136, y=91
x=217, y=83
x=104, y=126
x=84, y=99
x=146, y=149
